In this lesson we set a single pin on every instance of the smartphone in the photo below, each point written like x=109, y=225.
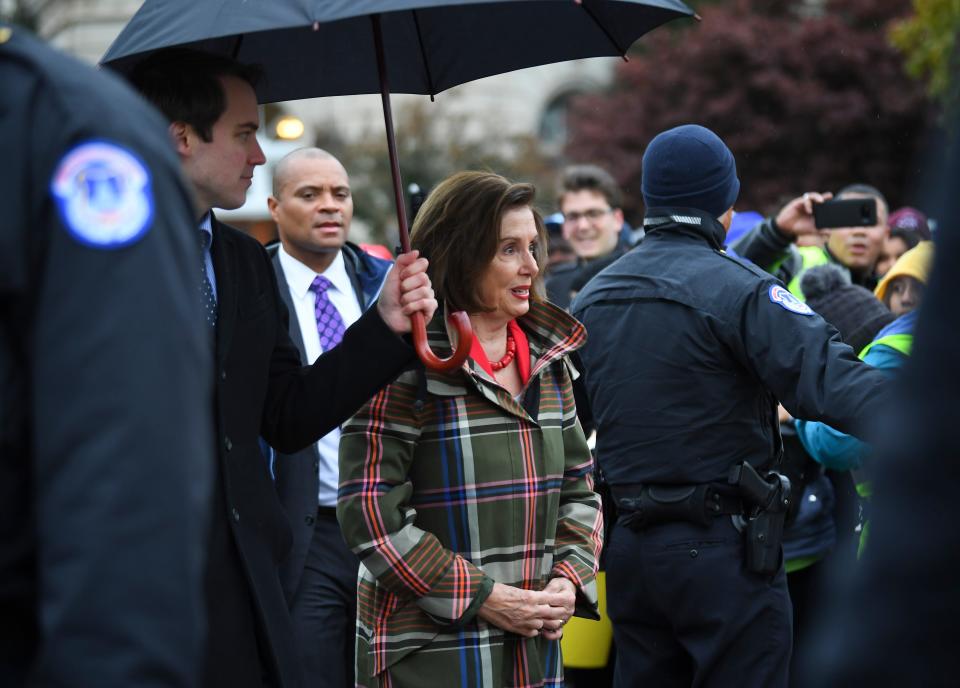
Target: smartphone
x=845, y=212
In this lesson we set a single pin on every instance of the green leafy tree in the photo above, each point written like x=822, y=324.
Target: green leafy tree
x=928, y=40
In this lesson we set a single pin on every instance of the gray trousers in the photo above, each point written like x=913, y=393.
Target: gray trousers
x=324, y=609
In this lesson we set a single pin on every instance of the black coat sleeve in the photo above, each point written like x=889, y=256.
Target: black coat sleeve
x=304, y=403
x=801, y=359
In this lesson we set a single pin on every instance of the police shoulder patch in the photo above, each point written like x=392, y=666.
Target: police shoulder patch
x=783, y=298
x=104, y=195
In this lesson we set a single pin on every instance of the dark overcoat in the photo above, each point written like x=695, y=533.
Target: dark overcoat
x=263, y=390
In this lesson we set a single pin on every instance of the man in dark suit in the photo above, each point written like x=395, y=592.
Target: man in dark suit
x=326, y=284
x=262, y=388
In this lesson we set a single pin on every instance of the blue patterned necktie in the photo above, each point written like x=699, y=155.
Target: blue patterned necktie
x=330, y=325
x=207, y=296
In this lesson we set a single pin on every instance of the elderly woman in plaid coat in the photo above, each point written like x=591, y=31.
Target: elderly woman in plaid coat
x=468, y=495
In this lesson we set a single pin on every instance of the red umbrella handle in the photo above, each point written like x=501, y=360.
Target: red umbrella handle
x=458, y=319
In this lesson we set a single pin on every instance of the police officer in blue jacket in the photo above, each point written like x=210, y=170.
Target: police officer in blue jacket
x=106, y=427
x=689, y=351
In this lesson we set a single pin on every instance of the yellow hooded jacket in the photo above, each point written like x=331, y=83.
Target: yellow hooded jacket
x=914, y=263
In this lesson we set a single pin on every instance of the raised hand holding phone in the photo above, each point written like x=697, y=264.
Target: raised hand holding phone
x=795, y=219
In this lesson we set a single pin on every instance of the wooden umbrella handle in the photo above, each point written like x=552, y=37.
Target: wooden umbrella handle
x=461, y=323
x=459, y=319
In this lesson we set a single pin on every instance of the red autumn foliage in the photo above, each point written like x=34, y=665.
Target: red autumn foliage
x=804, y=102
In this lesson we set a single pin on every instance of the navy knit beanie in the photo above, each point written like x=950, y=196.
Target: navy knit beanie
x=691, y=167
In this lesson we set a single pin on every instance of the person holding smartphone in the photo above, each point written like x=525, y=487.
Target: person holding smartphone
x=853, y=235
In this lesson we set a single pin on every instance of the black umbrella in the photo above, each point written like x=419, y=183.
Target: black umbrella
x=314, y=48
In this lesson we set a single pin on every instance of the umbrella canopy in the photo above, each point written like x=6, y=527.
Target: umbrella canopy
x=312, y=48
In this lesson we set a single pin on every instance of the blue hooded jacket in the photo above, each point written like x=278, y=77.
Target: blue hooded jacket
x=838, y=450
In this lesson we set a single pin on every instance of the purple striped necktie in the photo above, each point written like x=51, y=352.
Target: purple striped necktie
x=330, y=325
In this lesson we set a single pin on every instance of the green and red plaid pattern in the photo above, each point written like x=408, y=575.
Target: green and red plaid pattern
x=444, y=498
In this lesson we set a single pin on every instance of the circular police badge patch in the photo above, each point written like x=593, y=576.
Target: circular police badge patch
x=103, y=194
x=788, y=301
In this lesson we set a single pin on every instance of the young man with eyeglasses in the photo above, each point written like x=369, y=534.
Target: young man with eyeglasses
x=593, y=225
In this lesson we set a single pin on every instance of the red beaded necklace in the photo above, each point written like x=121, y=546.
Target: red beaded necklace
x=508, y=356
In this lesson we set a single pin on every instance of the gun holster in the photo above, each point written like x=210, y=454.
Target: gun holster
x=769, y=499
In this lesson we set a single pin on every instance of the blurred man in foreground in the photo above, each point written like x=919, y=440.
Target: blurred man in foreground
x=106, y=442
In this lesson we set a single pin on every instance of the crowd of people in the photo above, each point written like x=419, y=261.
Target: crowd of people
x=300, y=502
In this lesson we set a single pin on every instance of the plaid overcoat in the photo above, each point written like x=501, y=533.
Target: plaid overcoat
x=447, y=485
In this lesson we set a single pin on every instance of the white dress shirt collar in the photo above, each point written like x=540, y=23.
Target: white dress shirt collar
x=300, y=277
x=344, y=298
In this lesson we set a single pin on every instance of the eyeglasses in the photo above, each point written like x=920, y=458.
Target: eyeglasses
x=592, y=214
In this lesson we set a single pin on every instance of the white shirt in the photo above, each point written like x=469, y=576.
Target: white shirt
x=344, y=298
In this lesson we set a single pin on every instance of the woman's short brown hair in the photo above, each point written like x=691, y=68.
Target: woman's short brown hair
x=458, y=230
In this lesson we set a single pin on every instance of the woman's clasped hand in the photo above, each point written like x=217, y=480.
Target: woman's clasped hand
x=530, y=612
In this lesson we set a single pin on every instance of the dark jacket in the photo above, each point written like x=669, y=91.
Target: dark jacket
x=565, y=280
x=688, y=351
x=296, y=474
x=263, y=390
x=767, y=248
x=106, y=437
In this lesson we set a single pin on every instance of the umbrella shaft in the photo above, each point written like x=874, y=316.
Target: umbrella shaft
x=391, y=139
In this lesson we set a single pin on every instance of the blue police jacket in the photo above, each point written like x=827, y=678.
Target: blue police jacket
x=689, y=350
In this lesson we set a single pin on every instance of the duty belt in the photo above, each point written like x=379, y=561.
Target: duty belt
x=641, y=506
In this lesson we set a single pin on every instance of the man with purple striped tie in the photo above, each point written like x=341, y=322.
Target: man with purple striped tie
x=326, y=283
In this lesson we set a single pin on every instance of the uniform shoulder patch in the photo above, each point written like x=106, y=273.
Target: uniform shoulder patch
x=783, y=298
x=104, y=195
